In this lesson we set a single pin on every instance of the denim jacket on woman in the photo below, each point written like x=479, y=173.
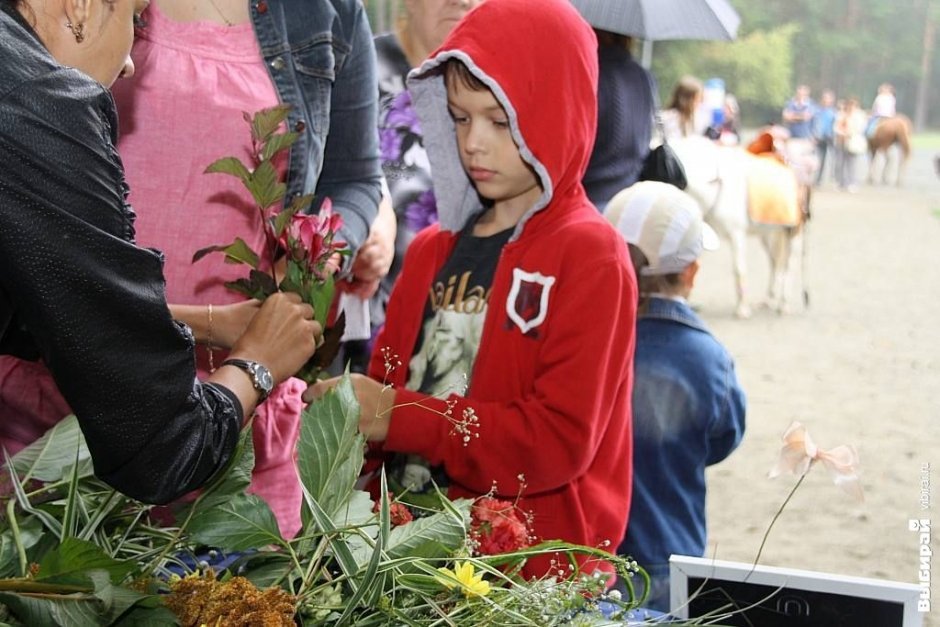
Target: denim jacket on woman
x=322, y=61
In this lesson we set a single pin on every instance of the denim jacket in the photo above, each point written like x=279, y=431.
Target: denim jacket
x=322, y=61
x=688, y=413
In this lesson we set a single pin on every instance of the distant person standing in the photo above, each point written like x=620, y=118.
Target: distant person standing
x=850, y=135
x=624, y=119
x=798, y=114
x=823, y=127
x=730, y=131
x=684, y=116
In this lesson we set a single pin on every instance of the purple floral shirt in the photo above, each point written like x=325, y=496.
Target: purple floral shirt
x=404, y=160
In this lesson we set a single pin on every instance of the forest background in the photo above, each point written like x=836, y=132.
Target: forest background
x=849, y=46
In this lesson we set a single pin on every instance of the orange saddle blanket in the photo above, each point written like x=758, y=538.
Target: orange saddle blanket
x=772, y=191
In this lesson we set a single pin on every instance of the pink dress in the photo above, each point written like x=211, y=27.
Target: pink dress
x=182, y=111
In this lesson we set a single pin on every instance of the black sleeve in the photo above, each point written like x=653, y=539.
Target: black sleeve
x=92, y=303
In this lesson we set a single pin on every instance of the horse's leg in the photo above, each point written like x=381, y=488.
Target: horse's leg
x=738, y=240
x=776, y=241
x=904, y=155
x=887, y=166
x=791, y=245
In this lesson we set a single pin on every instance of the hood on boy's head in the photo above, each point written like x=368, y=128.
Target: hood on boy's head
x=539, y=57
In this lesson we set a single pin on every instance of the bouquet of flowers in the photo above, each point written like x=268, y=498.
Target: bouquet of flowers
x=301, y=251
x=75, y=552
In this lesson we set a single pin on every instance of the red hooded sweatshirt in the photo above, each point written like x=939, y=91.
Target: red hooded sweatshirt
x=552, y=379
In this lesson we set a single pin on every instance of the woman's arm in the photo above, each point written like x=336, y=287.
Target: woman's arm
x=217, y=326
x=351, y=175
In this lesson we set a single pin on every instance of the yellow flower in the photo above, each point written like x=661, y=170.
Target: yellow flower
x=463, y=575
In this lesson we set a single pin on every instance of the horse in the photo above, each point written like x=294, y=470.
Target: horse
x=888, y=132
x=721, y=179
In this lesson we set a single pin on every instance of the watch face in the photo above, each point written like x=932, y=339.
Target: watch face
x=264, y=378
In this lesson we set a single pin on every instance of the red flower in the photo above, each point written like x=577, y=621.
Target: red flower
x=497, y=527
x=398, y=514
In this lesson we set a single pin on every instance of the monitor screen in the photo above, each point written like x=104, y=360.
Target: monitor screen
x=765, y=596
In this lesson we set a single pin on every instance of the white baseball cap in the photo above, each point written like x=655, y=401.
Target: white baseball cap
x=664, y=222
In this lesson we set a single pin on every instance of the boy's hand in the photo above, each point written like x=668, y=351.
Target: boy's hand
x=375, y=401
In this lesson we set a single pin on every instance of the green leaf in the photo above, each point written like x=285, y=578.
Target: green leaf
x=23, y=501
x=327, y=352
x=330, y=448
x=438, y=535
x=7, y=554
x=230, y=165
x=51, y=457
x=70, y=518
x=277, y=143
x=338, y=545
x=240, y=523
x=299, y=203
x=369, y=586
x=28, y=533
x=39, y=611
x=422, y=584
x=265, y=122
x=259, y=285
x=320, y=296
x=264, y=185
x=147, y=616
x=101, y=603
x=265, y=569
x=357, y=516
x=70, y=561
x=236, y=252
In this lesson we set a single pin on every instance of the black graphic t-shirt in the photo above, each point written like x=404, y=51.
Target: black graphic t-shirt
x=447, y=344
x=453, y=315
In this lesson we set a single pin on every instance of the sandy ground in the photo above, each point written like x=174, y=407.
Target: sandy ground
x=860, y=366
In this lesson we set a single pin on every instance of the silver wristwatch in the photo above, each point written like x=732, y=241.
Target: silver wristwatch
x=260, y=376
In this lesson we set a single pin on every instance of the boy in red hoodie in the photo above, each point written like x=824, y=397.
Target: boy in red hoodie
x=523, y=288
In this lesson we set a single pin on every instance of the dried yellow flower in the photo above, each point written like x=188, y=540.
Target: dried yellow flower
x=203, y=600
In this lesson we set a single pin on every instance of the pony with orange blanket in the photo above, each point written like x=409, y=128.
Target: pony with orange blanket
x=761, y=191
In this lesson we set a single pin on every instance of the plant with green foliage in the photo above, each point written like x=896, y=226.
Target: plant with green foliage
x=75, y=552
x=301, y=250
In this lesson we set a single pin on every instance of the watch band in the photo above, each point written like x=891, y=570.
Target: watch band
x=260, y=376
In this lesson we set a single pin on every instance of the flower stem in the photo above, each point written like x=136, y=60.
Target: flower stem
x=763, y=541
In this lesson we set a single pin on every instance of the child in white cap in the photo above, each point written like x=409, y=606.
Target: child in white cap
x=688, y=407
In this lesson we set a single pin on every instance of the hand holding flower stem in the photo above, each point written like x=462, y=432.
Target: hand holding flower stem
x=301, y=250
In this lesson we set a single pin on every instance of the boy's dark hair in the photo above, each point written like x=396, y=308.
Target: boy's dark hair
x=650, y=284
x=456, y=70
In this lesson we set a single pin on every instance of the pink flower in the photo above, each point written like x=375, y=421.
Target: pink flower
x=799, y=453
x=311, y=238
